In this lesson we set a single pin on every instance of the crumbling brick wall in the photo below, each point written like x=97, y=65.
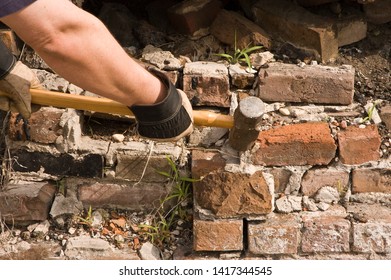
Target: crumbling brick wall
x=305, y=188
x=312, y=186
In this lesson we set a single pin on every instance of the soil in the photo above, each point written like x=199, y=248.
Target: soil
x=371, y=59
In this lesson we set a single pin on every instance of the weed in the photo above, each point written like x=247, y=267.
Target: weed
x=164, y=220
x=342, y=189
x=87, y=221
x=160, y=231
x=181, y=192
x=61, y=188
x=370, y=112
x=240, y=55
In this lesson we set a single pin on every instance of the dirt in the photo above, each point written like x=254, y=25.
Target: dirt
x=371, y=59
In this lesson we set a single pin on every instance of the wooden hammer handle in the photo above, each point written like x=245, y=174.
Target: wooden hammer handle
x=105, y=105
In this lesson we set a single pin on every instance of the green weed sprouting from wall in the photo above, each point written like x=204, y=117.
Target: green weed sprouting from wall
x=240, y=55
x=166, y=218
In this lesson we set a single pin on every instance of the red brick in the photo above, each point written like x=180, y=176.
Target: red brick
x=325, y=235
x=173, y=76
x=315, y=179
x=375, y=213
x=207, y=83
x=228, y=194
x=218, y=235
x=204, y=162
x=359, y=145
x=296, y=25
x=371, y=180
x=131, y=167
x=373, y=233
x=298, y=144
x=26, y=202
x=240, y=78
x=247, y=32
x=278, y=235
x=155, y=15
x=192, y=15
x=43, y=126
x=311, y=83
x=122, y=195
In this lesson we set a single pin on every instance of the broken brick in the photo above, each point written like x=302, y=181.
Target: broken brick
x=228, y=194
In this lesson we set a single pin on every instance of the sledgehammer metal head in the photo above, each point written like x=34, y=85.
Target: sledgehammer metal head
x=247, y=117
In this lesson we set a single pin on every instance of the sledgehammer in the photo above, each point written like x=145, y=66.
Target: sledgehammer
x=105, y=105
x=243, y=126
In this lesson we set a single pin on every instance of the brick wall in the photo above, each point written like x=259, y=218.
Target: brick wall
x=316, y=183
x=310, y=187
x=303, y=190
